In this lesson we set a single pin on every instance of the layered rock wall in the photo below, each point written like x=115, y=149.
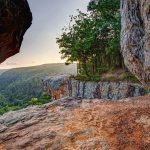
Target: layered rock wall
x=62, y=86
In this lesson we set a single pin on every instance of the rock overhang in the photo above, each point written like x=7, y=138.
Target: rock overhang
x=15, y=19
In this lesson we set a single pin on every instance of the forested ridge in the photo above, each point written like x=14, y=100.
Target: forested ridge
x=2, y=71
x=21, y=86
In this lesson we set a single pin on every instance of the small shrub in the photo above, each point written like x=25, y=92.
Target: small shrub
x=129, y=77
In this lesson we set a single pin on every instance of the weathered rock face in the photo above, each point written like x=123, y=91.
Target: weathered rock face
x=15, y=19
x=135, y=38
x=62, y=87
x=79, y=125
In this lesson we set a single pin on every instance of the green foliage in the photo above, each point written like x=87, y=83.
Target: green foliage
x=129, y=77
x=7, y=108
x=103, y=69
x=45, y=98
x=124, y=76
x=86, y=78
x=40, y=101
x=92, y=39
x=148, y=91
x=111, y=78
x=34, y=101
x=19, y=86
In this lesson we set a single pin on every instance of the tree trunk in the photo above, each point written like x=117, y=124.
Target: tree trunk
x=135, y=38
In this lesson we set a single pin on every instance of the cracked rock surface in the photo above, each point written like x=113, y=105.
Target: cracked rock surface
x=79, y=125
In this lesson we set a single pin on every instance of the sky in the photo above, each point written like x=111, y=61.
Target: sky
x=39, y=44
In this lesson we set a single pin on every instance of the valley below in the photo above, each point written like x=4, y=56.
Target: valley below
x=18, y=86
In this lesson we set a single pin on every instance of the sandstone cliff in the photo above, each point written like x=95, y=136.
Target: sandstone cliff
x=135, y=38
x=79, y=125
x=15, y=19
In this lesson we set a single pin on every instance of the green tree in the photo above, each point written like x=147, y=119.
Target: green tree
x=108, y=20
x=45, y=98
x=93, y=39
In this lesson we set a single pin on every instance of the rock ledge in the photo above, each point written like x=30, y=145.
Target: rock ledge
x=79, y=125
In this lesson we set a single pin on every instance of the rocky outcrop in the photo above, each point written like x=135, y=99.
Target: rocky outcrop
x=79, y=125
x=62, y=87
x=15, y=19
x=135, y=38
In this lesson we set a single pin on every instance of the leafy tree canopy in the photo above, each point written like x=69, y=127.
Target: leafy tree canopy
x=93, y=39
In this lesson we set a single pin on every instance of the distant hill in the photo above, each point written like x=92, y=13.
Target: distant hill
x=18, y=86
x=2, y=71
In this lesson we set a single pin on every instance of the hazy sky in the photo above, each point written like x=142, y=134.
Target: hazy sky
x=39, y=45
